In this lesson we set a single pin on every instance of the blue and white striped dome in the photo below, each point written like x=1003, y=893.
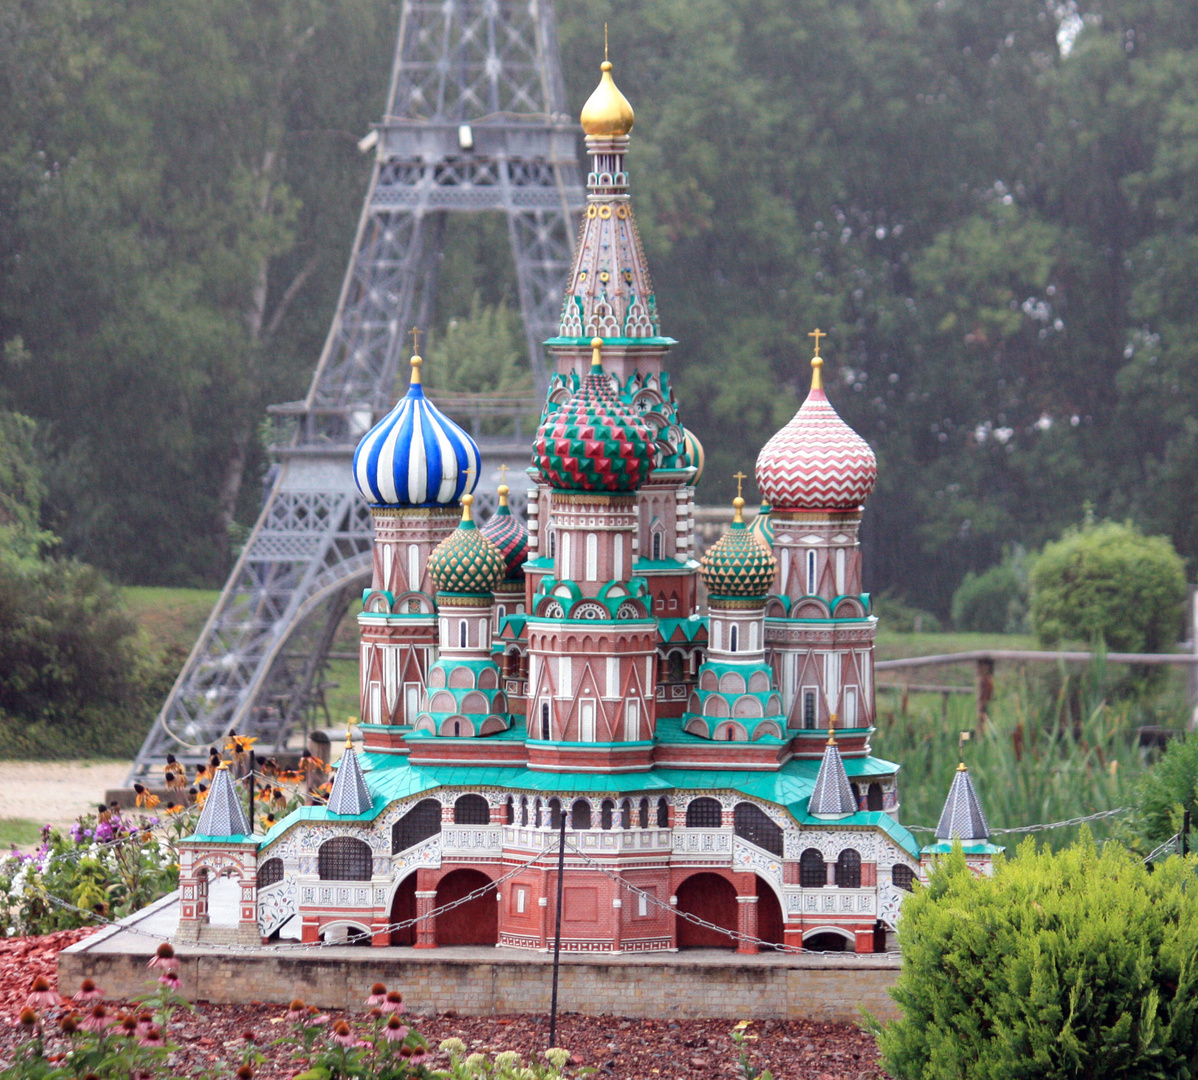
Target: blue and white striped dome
x=416, y=455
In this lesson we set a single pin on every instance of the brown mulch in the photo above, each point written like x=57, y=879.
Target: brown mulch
x=623, y=1049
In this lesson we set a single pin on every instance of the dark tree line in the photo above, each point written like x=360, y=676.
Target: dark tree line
x=990, y=204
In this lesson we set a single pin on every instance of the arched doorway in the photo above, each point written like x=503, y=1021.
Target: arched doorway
x=710, y=897
x=473, y=923
x=769, y=915
x=403, y=907
x=826, y=942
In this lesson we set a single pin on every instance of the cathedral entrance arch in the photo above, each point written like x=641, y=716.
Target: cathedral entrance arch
x=403, y=907
x=712, y=898
x=769, y=914
x=473, y=923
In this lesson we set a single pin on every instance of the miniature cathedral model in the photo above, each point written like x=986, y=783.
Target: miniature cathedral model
x=710, y=761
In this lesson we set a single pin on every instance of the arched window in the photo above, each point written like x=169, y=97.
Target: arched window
x=751, y=823
x=704, y=814
x=813, y=871
x=733, y=637
x=674, y=670
x=462, y=633
x=626, y=814
x=457, y=728
x=663, y=814
x=809, y=709
x=565, y=556
x=555, y=813
x=592, y=557
x=416, y=826
x=811, y=573
x=510, y=816
x=271, y=872
x=873, y=797
x=545, y=730
x=643, y=818
x=580, y=814
x=657, y=547
x=848, y=869
x=523, y=809
x=902, y=876
x=537, y=813
x=856, y=794
x=471, y=810
x=344, y=859
x=605, y=814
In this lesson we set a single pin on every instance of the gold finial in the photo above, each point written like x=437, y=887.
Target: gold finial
x=817, y=333
x=415, y=335
x=739, y=517
x=467, y=502
x=740, y=478
x=349, y=739
x=503, y=473
x=817, y=363
x=961, y=741
x=607, y=111
x=832, y=730
x=503, y=489
x=223, y=767
x=596, y=354
x=416, y=362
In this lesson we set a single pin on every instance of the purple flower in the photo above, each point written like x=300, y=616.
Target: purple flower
x=344, y=1034
x=152, y=1037
x=170, y=980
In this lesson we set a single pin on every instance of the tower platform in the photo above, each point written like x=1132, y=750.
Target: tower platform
x=483, y=981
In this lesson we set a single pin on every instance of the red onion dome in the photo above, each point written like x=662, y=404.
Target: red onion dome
x=816, y=462
x=594, y=442
x=508, y=534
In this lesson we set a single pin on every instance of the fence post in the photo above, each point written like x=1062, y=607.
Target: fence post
x=1192, y=619
x=985, y=687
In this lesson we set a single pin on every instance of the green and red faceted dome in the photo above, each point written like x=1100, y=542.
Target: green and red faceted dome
x=466, y=561
x=738, y=564
x=594, y=442
x=509, y=535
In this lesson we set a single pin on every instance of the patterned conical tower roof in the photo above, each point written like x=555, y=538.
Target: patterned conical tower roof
x=594, y=442
x=962, y=817
x=350, y=795
x=833, y=796
x=223, y=814
x=509, y=535
x=693, y=454
x=816, y=462
x=737, y=564
x=416, y=455
x=466, y=561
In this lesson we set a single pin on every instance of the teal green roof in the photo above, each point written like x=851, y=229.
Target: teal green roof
x=655, y=341
x=942, y=847
x=240, y=838
x=690, y=627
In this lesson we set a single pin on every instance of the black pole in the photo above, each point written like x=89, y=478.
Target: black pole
x=1185, y=832
x=251, y=786
x=557, y=936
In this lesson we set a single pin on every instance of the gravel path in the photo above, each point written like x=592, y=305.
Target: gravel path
x=56, y=792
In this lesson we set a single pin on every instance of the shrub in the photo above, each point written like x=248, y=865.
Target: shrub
x=994, y=601
x=1109, y=583
x=1073, y=964
x=1167, y=791
x=898, y=616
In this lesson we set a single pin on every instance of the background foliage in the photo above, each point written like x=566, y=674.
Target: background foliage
x=989, y=203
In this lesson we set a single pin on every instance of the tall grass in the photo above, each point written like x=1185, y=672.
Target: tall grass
x=1054, y=747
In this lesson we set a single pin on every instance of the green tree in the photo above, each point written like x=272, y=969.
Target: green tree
x=1109, y=583
x=1167, y=791
x=1073, y=964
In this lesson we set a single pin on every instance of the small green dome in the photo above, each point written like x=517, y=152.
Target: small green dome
x=466, y=561
x=738, y=564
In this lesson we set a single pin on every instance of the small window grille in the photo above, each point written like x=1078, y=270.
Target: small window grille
x=271, y=872
x=471, y=810
x=809, y=709
x=416, y=826
x=755, y=825
x=344, y=859
x=848, y=869
x=580, y=815
x=545, y=732
x=704, y=814
x=903, y=877
x=813, y=871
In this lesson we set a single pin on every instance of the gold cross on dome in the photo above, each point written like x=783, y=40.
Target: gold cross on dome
x=415, y=333
x=817, y=333
x=739, y=477
x=503, y=474
x=605, y=41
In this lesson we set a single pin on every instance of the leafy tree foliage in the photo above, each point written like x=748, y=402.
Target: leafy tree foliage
x=996, y=600
x=1073, y=964
x=1167, y=791
x=1109, y=583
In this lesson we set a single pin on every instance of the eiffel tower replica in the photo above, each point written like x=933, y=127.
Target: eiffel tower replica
x=476, y=120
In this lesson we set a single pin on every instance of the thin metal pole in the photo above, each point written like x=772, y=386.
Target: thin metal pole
x=1185, y=832
x=557, y=936
x=251, y=787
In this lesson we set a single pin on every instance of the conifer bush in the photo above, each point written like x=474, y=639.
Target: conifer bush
x=1079, y=963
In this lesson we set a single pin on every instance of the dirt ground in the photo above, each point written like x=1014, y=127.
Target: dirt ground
x=56, y=792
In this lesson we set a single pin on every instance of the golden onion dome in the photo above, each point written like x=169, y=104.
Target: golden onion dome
x=738, y=564
x=607, y=111
x=466, y=561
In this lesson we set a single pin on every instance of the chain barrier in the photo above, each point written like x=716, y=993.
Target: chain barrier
x=1171, y=842
x=1038, y=828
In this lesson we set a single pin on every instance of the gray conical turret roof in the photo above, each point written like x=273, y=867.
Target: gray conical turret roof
x=833, y=795
x=350, y=795
x=962, y=817
x=223, y=814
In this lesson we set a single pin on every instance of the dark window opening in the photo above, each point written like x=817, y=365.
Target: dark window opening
x=344, y=859
x=848, y=869
x=471, y=810
x=813, y=871
x=416, y=826
x=704, y=814
x=755, y=825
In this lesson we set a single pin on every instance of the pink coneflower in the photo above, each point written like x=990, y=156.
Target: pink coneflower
x=145, y=1021
x=245, y=1072
x=315, y=1016
x=69, y=1023
x=297, y=1010
x=88, y=991
x=164, y=958
x=28, y=1018
x=343, y=1034
x=96, y=1020
x=393, y=1030
x=130, y=1026
x=170, y=980
x=40, y=995
x=152, y=1037
x=378, y=994
x=393, y=1002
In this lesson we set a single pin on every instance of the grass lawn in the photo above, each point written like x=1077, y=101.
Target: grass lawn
x=171, y=618
x=19, y=832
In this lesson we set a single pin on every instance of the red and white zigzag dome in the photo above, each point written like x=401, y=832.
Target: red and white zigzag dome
x=816, y=462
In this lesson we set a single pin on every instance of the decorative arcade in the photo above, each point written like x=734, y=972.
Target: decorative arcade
x=703, y=727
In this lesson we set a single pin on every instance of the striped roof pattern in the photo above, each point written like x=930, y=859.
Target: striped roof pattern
x=761, y=526
x=816, y=462
x=223, y=814
x=832, y=795
x=693, y=454
x=350, y=795
x=594, y=442
x=508, y=533
x=466, y=562
x=962, y=817
x=738, y=564
x=416, y=455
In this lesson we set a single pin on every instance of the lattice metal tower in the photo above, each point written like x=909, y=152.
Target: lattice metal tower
x=476, y=120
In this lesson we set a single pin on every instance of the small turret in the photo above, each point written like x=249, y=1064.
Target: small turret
x=833, y=795
x=350, y=795
x=223, y=815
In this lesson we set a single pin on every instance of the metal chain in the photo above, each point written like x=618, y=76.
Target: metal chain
x=1167, y=844
x=1038, y=828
